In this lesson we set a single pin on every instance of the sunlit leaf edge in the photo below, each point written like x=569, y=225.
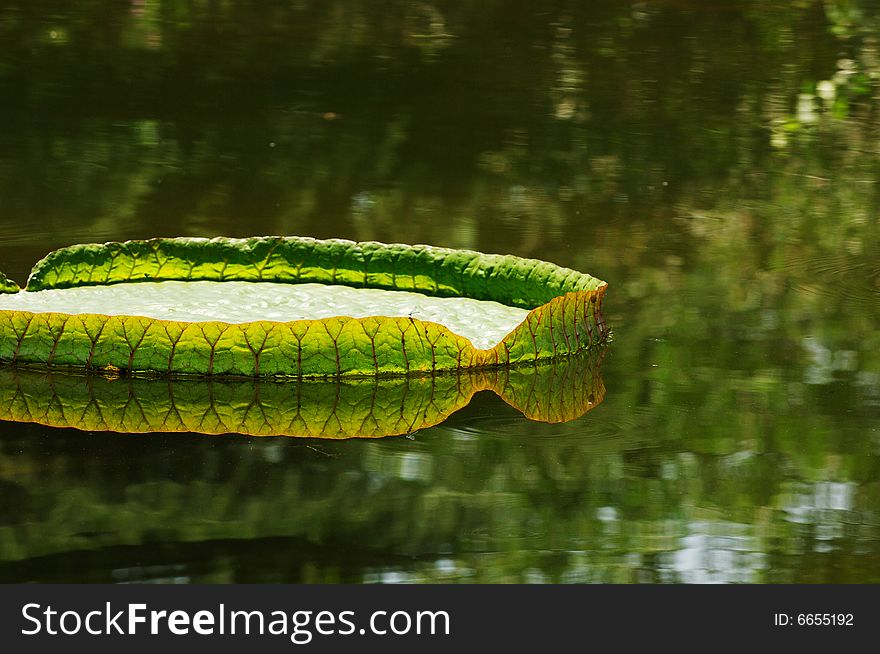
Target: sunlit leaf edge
x=565, y=314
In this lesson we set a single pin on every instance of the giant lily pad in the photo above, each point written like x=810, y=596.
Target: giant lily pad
x=63, y=317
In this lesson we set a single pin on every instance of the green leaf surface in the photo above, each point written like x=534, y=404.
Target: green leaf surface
x=565, y=312
x=7, y=285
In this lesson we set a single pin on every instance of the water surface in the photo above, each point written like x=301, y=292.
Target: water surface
x=715, y=162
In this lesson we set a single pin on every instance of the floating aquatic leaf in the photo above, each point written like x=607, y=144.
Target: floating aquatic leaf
x=564, y=314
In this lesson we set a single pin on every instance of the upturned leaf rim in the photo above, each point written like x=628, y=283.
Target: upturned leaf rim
x=565, y=310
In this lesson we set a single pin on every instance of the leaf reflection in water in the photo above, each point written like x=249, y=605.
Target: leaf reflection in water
x=555, y=391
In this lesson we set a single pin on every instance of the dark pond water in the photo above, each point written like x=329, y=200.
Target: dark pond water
x=716, y=162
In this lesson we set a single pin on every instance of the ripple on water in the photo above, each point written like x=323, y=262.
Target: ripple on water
x=834, y=275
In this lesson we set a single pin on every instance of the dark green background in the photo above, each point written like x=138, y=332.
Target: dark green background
x=716, y=162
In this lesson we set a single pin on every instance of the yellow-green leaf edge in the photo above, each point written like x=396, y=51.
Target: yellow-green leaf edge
x=565, y=314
